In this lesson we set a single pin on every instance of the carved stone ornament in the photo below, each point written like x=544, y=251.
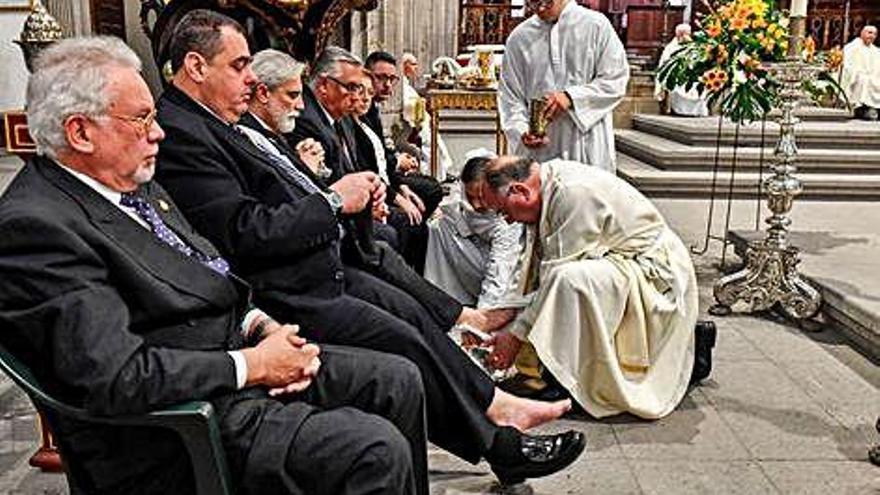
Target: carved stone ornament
x=40, y=30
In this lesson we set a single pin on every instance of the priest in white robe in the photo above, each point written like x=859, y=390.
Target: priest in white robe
x=688, y=103
x=571, y=57
x=415, y=114
x=861, y=74
x=472, y=252
x=616, y=304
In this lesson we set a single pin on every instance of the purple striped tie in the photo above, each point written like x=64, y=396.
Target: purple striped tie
x=146, y=211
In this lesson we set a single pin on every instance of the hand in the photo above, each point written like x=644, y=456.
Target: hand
x=410, y=195
x=281, y=359
x=311, y=153
x=380, y=212
x=379, y=191
x=497, y=318
x=299, y=385
x=555, y=103
x=356, y=190
x=407, y=163
x=532, y=141
x=506, y=347
x=411, y=210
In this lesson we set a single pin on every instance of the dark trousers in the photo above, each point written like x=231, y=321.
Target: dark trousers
x=376, y=315
x=367, y=431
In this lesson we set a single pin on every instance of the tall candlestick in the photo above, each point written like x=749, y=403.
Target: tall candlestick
x=799, y=8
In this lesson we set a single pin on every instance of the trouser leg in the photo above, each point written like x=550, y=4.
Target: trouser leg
x=383, y=384
x=457, y=392
x=345, y=451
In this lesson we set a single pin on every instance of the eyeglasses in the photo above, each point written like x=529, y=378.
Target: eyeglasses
x=386, y=78
x=141, y=124
x=350, y=87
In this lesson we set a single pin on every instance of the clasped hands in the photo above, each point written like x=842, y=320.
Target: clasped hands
x=555, y=103
x=282, y=361
x=358, y=189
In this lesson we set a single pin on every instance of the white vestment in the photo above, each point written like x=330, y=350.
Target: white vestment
x=861, y=74
x=616, y=304
x=579, y=54
x=411, y=100
x=681, y=101
x=472, y=256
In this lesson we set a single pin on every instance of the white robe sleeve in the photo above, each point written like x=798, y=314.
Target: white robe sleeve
x=498, y=283
x=513, y=108
x=597, y=99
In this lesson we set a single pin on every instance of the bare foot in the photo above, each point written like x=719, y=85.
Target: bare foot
x=523, y=414
x=472, y=317
x=487, y=320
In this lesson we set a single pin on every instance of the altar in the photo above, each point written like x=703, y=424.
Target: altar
x=438, y=100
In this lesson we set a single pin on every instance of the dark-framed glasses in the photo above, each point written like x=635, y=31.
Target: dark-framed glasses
x=349, y=87
x=386, y=78
x=142, y=124
x=538, y=4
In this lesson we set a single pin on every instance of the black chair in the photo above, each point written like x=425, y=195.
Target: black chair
x=194, y=422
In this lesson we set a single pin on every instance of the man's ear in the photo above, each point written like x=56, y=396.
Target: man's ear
x=521, y=189
x=196, y=66
x=261, y=93
x=79, y=131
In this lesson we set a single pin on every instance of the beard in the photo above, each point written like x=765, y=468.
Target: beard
x=287, y=121
x=144, y=174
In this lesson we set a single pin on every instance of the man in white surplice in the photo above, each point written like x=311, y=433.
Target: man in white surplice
x=572, y=58
x=681, y=101
x=861, y=74
x=616, y=304
x=414, y=113
x=472, y=253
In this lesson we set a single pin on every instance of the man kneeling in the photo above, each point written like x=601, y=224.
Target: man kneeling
x=616, y=303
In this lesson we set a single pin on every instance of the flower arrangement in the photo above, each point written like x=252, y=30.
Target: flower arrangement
x=726, y=58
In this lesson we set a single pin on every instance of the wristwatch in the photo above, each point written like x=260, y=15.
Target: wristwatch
x=335, y=201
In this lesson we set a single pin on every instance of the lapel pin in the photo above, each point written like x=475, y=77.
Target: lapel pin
x=163, y=205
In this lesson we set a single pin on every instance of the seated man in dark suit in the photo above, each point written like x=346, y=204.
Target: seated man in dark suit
x=283, y=236
x=119, y=307
x=403, y=167
x=330, y=101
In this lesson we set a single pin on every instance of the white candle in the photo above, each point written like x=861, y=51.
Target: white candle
x=799, y=8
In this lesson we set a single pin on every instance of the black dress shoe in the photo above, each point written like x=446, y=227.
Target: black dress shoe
x=516, y=456
x=705, y=334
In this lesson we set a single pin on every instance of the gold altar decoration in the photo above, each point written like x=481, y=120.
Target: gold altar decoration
x=40, y=30
x=462, y=99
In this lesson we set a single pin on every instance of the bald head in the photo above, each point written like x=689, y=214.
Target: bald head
x=869, y=34
x=409, y=65
x=683, y=32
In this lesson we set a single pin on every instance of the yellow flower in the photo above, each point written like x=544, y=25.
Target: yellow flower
x=714, y=79
x=759, y=23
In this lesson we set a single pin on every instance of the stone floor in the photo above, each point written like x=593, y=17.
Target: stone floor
x=784, y=412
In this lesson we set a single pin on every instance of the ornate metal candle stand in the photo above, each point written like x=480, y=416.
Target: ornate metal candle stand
x=770, y=275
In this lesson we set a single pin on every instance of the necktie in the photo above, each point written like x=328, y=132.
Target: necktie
x=343, y=144
x=279, y=160
x=146, y=211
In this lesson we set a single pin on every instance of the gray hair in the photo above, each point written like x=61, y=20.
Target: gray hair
x=274, y=68
x=330, y=59
x=70, y=78
x=500, y=176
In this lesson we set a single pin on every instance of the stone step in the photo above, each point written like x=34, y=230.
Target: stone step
x=847, y=312
x=667, y=154
x=703, y=131
x=640, y=88
x=654, y=182
x=632, y=105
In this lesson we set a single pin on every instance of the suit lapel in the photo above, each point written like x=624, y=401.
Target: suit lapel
x=161, y=260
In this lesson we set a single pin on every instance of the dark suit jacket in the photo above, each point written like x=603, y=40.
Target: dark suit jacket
x=313, y=123
x=113, y=320
x=274, y=233
x=277, y=237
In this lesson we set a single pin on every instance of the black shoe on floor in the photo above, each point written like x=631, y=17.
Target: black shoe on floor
x=515, y=456
x=705, y=334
